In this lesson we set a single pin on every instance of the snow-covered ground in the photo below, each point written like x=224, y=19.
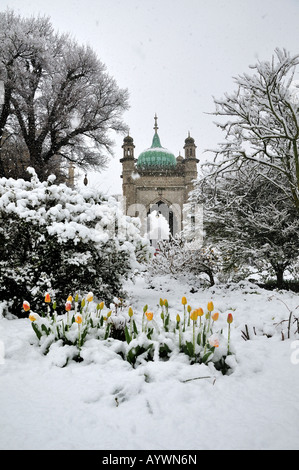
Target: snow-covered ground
x=104, y=403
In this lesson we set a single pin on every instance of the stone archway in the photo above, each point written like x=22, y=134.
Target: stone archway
x=168, y=214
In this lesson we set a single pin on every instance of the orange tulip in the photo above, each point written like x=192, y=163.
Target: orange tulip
x=229, y=318
x=47, y=298
x=200, y=312
x=215, y=316
x=26, y=306
x=68, y=306
x=184, y=301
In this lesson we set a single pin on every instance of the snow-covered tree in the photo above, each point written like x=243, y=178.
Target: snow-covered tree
x=261, y=124
x=59, y=98
x=56, y=239
x=248, y=218
x=180, y=256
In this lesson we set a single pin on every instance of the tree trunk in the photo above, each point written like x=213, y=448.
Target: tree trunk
x=279, y=270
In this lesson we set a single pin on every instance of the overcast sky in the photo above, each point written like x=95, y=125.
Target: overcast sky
x=173, y=56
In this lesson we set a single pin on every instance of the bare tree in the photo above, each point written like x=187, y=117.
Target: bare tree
x=249, y=219
x=59, y=97
x=262, y=124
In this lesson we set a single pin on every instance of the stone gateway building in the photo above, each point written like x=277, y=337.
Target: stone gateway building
x=157, y=180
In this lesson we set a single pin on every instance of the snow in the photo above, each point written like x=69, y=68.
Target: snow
x=105, y=403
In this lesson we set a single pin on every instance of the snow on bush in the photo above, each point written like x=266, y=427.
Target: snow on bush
x=56, y=239
x=136, y=338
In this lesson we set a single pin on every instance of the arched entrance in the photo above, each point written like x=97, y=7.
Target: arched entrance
x=162, y=221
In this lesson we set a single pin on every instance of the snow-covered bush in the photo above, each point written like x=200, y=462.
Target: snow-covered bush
x=56, y=239
x=179, y=256
x=136, y=338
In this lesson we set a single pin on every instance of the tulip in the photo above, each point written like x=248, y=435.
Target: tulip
x=149, y=315
x=33, y=316
x=229, y=318
x=193, y=316
x=143, y=315
x=26, y=305
x=184, y=302
x=229, y=321
x=178, y=320
x=130, y=312
x=214, y=341
x=215, y=316
x=101, y=305
x=210, y=306
x=78, y=320
x=89, y=297
x=47, y=298
x=69, y=299
x=189, y=311
x=200, y=313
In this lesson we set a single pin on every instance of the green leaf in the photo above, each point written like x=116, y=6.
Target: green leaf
x=36, y=331
x=207, y=355
x=45, y=329
x=127, y=335
x=135, y=328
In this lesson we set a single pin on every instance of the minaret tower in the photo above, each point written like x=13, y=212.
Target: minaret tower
x=128, y=168
x=190, y=164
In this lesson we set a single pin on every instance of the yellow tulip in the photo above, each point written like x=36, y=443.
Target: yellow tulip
x=89, y=297
x=130, y=312
x=78, y=318
x=210, y=306
x=149, y=315
x=193, y=315
x=184, y=301
x=33, y=316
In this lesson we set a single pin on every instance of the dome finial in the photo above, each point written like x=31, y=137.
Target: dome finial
x=156, y=125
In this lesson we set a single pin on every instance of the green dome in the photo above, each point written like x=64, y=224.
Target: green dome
x=156, y=156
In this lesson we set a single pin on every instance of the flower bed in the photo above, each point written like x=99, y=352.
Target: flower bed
x=135, y=336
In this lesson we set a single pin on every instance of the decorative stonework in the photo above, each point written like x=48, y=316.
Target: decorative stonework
x=158, y=180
